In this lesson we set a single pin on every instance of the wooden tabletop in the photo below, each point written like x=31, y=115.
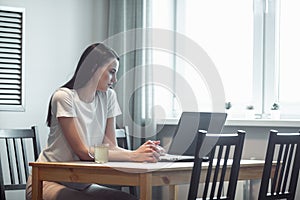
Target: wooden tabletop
x=144, y=175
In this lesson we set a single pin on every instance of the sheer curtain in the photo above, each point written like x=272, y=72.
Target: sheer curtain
x=134, y=90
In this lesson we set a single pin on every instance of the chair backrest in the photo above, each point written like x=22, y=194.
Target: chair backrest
x=283, y=149
x=223, y=165
x=123, y=138
x=14, y=163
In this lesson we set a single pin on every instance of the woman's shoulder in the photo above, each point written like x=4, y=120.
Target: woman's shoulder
x=63, y=93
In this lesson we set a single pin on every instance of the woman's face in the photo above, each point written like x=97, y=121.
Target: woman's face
x=107, y=75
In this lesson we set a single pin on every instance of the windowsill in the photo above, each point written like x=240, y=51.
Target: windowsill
x=247, y=122
x=264, y=122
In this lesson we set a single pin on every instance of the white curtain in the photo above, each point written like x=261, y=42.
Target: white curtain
x=127, y=19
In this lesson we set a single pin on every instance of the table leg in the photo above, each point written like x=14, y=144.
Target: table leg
x=36, y=185
x=173, y=189
x=146, y=186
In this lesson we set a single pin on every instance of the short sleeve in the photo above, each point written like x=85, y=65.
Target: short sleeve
x=113, y=109
x=63, y=103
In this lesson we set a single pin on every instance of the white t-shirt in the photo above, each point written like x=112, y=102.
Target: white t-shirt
x=91, y=119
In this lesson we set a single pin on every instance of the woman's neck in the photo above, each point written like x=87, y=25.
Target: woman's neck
x=86, y=94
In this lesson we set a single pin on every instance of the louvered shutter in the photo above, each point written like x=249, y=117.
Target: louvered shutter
x=11, y=58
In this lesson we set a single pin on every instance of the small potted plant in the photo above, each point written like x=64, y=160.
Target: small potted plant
x=250, y=112
x=228, y=110
x=228, y=105
x=275, y=112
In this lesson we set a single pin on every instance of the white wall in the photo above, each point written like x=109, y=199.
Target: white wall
x=56, y=33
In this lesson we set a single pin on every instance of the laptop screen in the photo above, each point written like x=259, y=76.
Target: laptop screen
x=188, y=125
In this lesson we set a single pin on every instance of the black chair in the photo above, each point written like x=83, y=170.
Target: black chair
x=123, y=138
x=16, y=150
x=124, y=142
x=216, y=150
x=284, y=150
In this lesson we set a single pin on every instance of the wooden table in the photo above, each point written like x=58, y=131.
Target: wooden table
x=144, y=175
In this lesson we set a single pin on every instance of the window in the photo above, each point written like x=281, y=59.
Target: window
x=165, y=100
x=224, y=29
x=226, y=38
x=11, y=59
x=253, y=44
x=289, y=97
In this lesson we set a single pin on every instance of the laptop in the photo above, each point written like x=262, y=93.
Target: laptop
x=182, y=147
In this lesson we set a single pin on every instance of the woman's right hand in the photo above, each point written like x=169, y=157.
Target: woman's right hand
x=147, y=152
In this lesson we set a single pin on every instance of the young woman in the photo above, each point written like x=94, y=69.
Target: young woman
x=86, y=107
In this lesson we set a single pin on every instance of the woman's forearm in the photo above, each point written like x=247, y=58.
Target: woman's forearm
x=120, y=154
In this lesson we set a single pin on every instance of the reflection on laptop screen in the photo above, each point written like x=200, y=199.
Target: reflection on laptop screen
x=188, y=125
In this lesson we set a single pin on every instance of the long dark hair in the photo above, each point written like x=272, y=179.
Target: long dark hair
x=94, y=56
